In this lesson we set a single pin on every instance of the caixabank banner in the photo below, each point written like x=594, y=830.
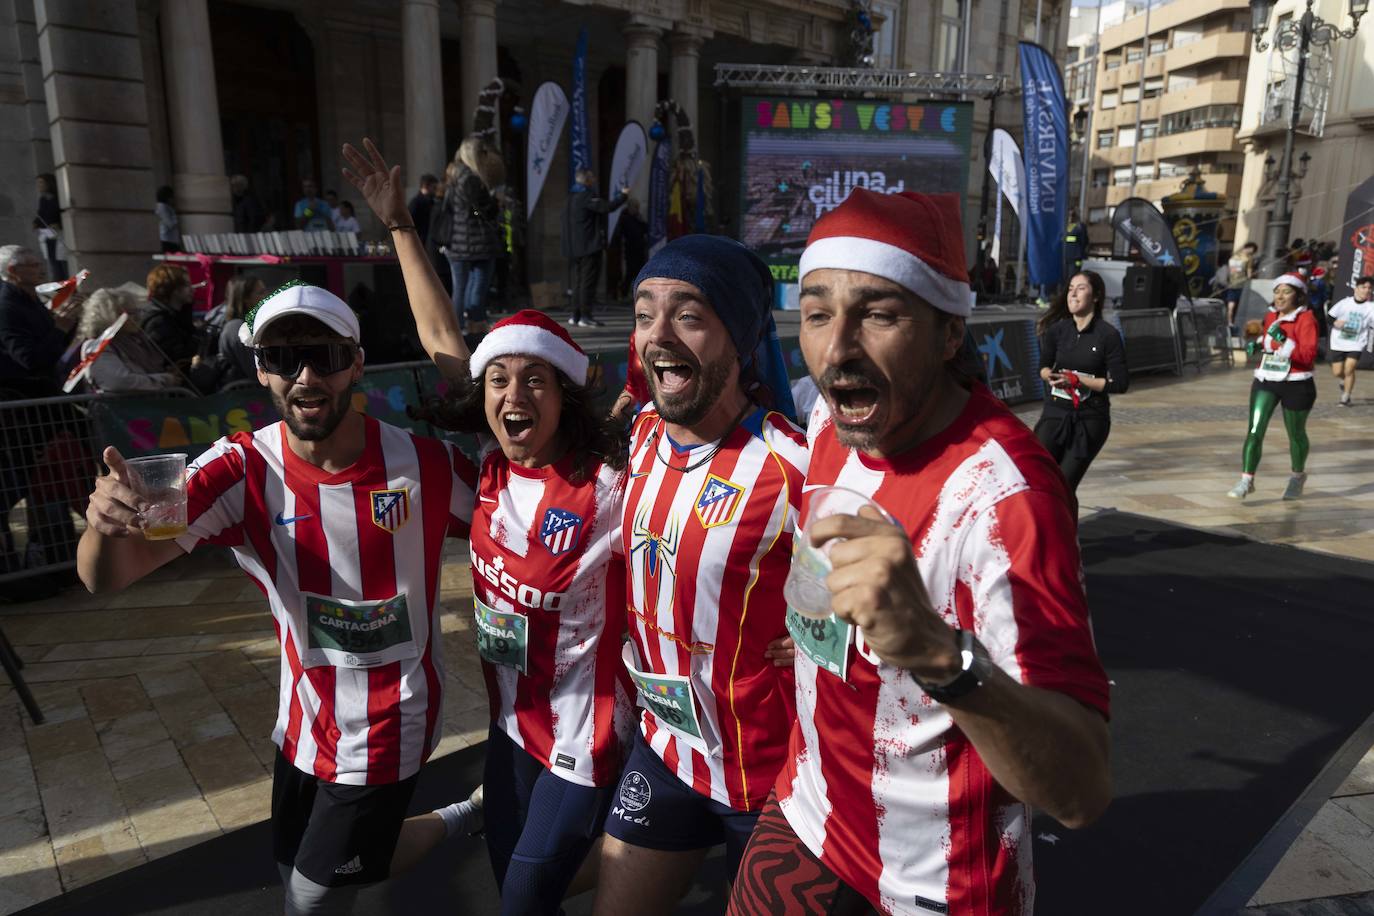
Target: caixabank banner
x=801, y=157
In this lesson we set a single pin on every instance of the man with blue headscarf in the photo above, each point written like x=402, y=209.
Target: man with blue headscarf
x=716, y=470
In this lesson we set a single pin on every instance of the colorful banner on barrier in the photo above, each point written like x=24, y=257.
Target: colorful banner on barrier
x=151, y=425
x=1045, y=122
x=548, y=113
x=1010, y=352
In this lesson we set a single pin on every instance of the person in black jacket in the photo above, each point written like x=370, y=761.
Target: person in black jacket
x=634, y=240
x=48, y=222
x=32, y=338
x=584, y=239
x=1082, y=359
x=166, y=319
x=473, y=237
x=420, y=206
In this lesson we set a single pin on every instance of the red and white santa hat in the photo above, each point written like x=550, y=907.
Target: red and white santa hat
x=916, y=240
x=531, y=333
x=1291, y=279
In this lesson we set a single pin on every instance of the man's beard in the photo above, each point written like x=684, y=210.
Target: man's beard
x=313, y=430
x=683, y=410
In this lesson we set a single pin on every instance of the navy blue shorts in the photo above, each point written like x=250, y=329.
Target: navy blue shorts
x=654, y=809
x=539, y=826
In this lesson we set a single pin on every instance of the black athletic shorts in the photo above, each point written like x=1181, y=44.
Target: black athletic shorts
x=336, y=834
x=1299, y=395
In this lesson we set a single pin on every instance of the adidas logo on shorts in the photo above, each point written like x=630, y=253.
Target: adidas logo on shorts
x=351, y=867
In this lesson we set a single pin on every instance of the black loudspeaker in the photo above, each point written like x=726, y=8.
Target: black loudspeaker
x=1150, y=288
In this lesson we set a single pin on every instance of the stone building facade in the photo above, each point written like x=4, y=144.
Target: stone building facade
x=119, y=97
x=1340, y=159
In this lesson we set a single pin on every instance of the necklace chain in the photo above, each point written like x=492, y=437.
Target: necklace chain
x=704, y=458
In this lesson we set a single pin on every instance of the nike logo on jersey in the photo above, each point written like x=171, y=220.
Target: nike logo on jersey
x=488, y=499
x=293, y=519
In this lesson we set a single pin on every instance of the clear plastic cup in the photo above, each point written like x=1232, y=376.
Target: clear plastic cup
x=161, y=481
x=805, y=588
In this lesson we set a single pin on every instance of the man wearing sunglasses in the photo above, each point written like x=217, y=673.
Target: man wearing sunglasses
x=325, y=511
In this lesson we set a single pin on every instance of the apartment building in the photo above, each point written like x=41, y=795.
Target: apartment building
x=1333, y=150
x=1183, y=84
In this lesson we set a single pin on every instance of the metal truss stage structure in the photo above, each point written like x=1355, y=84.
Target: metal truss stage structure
x=856, y=79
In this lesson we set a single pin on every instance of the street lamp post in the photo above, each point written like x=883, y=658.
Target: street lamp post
x=1301, y=34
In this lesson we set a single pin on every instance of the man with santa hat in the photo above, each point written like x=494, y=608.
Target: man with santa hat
x=966, y=689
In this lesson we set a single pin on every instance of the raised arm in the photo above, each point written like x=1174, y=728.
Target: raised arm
x=438, y=327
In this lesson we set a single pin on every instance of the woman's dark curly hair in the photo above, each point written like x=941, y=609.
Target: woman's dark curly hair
x=591, y=438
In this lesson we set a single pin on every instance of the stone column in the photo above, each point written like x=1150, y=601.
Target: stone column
x=641, y=89
x=98, y=114
x=684, y=47
x=478, y=42
x=202, y=190
x=25, y=150
x=424, y=90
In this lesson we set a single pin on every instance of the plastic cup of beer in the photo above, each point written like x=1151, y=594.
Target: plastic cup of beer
x=160, y=480
x=805, y=588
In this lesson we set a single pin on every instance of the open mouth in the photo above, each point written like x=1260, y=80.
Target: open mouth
x=310, y=407
x=853, y=404
x=516, y=423
x=672, y=374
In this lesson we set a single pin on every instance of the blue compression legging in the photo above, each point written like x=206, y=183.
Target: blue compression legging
x=1262, y=404
x=539, y=826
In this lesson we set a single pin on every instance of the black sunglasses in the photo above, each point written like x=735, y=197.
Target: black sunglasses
x=288, y=361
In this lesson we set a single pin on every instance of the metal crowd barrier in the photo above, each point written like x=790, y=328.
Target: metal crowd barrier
x=1150, y=339
x=1202, y=333
x=50, y=456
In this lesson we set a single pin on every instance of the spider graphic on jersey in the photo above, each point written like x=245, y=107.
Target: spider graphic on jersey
x=657, y=551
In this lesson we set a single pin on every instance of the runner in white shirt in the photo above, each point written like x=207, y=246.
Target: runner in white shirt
x=1352, y=328
x=326, y=511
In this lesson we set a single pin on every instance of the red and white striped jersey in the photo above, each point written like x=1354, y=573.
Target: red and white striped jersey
x=350, y=565
x=708, y=539
x=547, y=550
x=879, y=783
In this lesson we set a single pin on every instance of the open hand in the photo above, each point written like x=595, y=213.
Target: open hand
x=115, y=509
x=874, y=584
x=378, y=182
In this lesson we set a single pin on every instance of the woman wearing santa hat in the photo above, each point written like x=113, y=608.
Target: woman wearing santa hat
x=1284, y=378
x=547, y=568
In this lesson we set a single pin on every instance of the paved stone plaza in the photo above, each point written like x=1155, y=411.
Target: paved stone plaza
x=160, y=700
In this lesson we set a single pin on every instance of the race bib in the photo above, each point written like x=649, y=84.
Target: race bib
x=502, y=636
x=1066, y=394
x=670, y=698
x=1274, y=368
x=357, y=634
x=824, y=641
x=1351, y=330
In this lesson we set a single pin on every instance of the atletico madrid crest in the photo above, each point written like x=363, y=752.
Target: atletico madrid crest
x=390, y=509
x=717, y=501
x=560, y=531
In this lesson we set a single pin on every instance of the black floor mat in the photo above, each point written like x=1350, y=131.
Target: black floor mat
x=1240, y=668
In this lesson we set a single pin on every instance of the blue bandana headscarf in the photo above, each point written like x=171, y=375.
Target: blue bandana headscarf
x=739, y=288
